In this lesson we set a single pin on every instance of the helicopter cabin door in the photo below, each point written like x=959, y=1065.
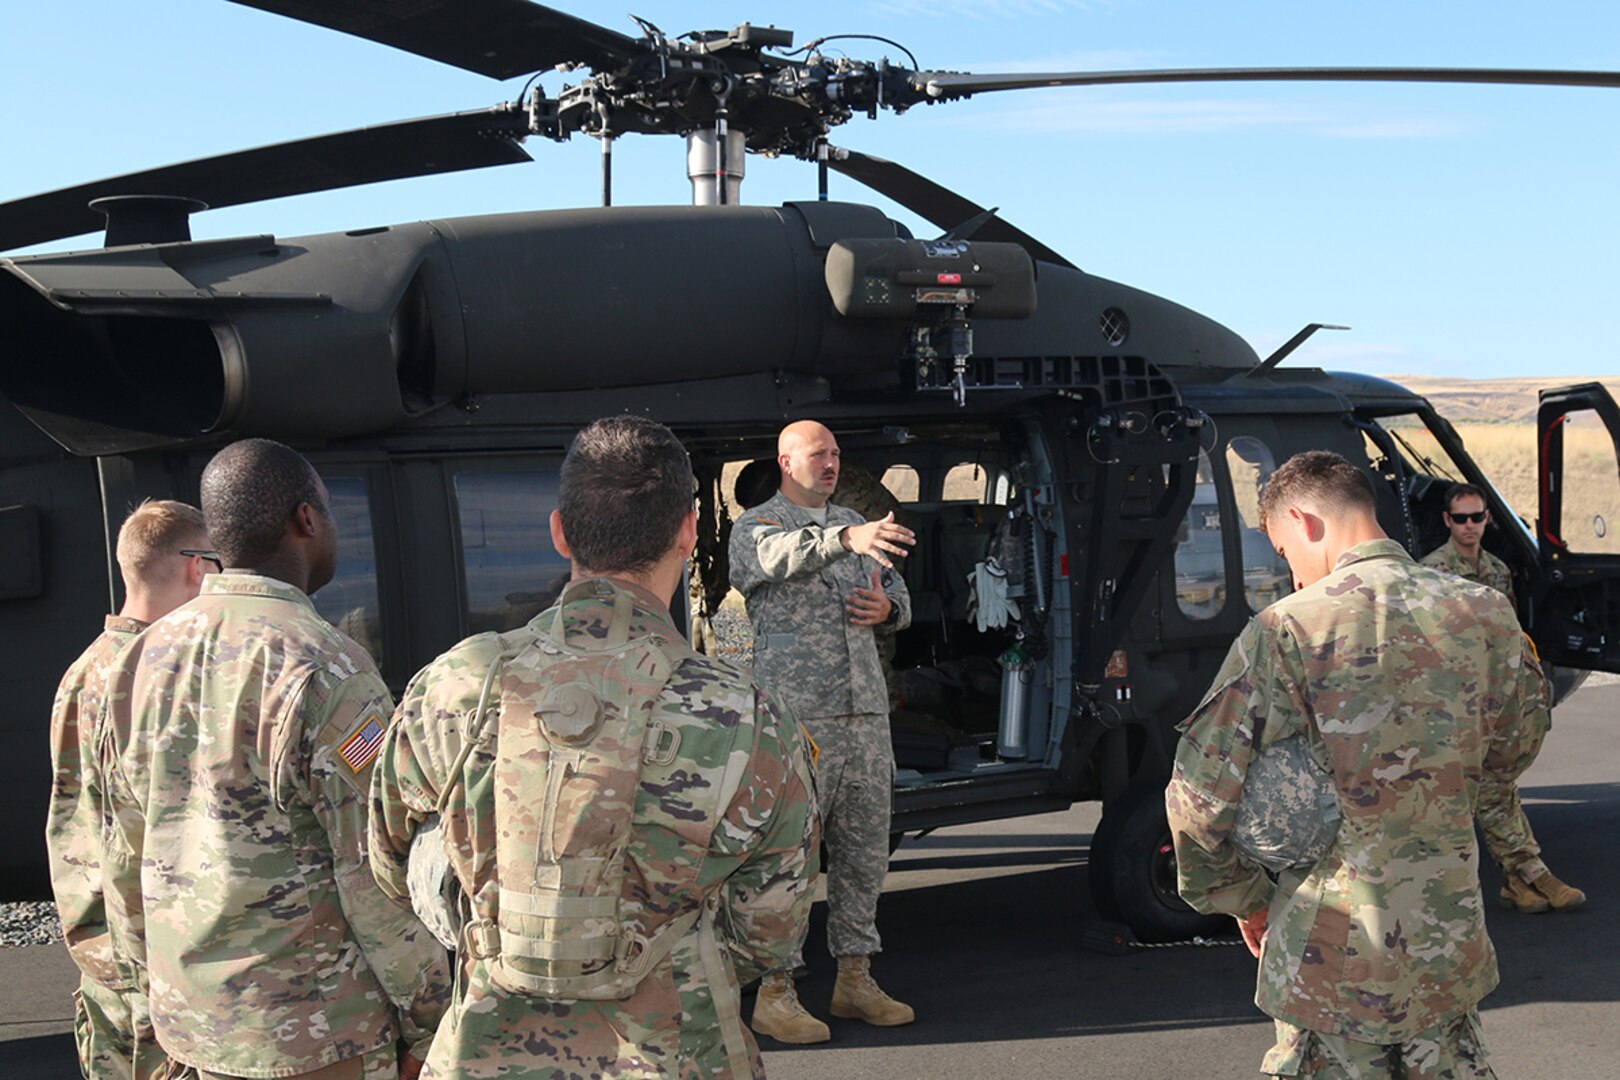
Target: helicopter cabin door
x=1575, y=611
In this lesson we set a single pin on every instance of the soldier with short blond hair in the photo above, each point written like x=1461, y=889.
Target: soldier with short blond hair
x=163, y=555
x=1407, y=687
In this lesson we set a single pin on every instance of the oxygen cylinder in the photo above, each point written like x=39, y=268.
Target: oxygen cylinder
x=1017, y=675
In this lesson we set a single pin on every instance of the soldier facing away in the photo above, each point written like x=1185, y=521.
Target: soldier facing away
x=630, y=822
x=163, y=556
x=818, y=581
x=1408, y=688
x=237, y=743
x=1527, y=884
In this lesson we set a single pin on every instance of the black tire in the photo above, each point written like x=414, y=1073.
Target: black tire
x=1133, y=871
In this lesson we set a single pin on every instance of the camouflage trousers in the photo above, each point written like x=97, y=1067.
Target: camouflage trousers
x=1453, y=1050
x=854, y=792
x=1502, y=820
x=380, y=1064
x=114, y=1034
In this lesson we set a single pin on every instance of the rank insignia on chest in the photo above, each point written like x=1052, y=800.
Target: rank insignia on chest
x=360, y=748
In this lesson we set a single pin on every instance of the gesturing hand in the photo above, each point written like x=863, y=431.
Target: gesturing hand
x=869, y=607
x=876, y=537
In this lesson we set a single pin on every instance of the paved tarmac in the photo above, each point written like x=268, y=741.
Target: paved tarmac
x=982, y=928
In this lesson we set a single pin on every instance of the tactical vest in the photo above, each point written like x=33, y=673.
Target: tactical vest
x=549, y=915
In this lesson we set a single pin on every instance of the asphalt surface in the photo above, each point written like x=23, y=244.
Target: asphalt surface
x=983, y=931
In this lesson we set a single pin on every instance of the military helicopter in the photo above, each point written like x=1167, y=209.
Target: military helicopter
x=1106, y=445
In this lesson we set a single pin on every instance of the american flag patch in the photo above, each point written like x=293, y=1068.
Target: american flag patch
x=360, y=749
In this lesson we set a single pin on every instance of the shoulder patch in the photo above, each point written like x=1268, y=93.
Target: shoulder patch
x=361, y=746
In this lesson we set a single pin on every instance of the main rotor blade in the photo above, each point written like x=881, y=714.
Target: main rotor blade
x=498, y=38
x=435, y=144
x=934, y=203
x=944, y=84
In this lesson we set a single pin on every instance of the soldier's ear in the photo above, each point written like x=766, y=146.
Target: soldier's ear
x=559, y=541
x=686, y=535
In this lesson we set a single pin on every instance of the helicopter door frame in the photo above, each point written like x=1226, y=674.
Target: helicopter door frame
x=1577, y=595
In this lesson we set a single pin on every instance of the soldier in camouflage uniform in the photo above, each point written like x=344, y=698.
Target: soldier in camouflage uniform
x=722, y=830
x=1527, y=884
x=1410, y=688
x=163, y=557
x=817, y=581
x=237, y=743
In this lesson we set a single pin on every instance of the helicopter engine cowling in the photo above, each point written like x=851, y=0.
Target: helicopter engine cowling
x=341, y=334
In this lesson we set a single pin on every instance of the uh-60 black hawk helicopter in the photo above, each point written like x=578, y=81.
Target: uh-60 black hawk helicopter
x=1104, y=443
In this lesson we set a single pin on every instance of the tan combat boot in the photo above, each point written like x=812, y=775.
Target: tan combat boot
x=1559, y=896
x=777, y=1013
x=857, y=996
x=1540, y=894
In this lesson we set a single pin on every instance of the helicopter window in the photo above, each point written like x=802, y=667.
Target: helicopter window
x=970, y=481
x=901, y=480
x=349, y=600
x=1589, y=512
x=1249, y=462
x=1200, y=556
x=511, y=571
x=1430, y=470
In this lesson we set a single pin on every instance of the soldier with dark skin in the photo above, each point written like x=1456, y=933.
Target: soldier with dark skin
x=237, y=741
x=1527, y=884
x=163, y=556
x=818, y=581
x=1409, y=688
x=719, y=848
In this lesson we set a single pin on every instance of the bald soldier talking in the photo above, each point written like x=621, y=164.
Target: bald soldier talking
x=817, y=579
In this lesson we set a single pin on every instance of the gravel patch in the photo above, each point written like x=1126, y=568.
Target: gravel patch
x=33, y=923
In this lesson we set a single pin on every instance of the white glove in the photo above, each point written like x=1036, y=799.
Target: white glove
x=988, y=603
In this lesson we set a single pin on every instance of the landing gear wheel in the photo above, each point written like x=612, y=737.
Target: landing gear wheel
x=1133, y=871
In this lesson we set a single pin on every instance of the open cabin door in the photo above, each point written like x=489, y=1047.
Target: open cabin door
x=1575, y=610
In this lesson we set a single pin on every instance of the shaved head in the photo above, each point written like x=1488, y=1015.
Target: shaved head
x=807, y=454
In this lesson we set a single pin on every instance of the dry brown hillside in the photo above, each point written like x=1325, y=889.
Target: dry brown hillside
x=1510, y=401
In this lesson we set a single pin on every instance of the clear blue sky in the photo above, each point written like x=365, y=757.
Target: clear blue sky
x=1459, y=230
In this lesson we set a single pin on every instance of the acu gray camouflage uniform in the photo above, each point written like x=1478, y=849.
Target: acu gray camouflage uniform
x=237, y=745
x=795, y=575
x=111, y=1026
x=1411, y=687
x=1502, y=820
x=722, y=831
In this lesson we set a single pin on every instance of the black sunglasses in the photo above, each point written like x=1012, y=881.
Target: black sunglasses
x=211, y=556
x=1478, y=517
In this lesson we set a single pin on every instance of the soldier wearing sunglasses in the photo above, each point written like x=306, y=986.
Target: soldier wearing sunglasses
x=1466, y=515
x=1527, y=885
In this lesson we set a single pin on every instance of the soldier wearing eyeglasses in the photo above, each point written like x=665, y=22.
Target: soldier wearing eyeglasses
x=1527, y=885
x=160, y=573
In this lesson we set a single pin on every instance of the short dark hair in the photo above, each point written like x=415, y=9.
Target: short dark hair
x=1459, y=491
x=1320, y=476
x=250, y=491
x=626, y=484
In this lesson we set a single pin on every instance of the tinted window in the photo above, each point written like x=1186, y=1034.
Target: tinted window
x=965, y=483
x=512, y=572
x=1265, y=575
x=1590, y=517
x=1200, y=558
x=349, y=600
